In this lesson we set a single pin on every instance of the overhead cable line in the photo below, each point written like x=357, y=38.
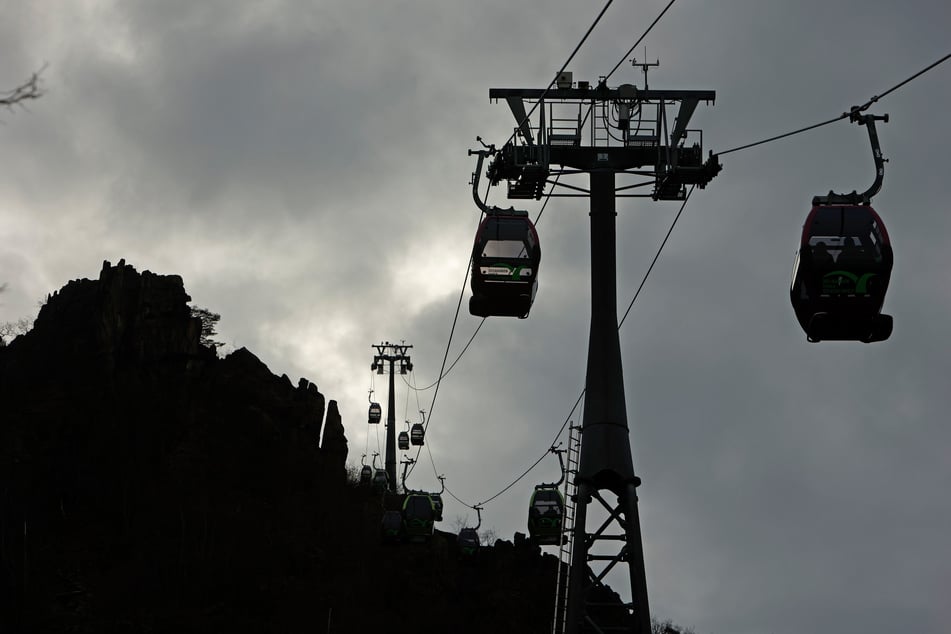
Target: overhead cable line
x=559, y=73
x=452, y=330
x=537, y=218
x=449, y=369
x=899, y=85
x=852, y=111
x=845, y=115
x=479, y=327
x=621, y=61
x=418, y=407
x=581, y=396
x=545, y=204
x=466, y=347
x=442, y=374
x=656, y=256
x=548, y=197
x=673, y=224
x=540, y=458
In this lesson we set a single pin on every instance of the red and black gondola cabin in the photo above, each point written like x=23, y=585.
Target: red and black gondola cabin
x=841, y=275
x=505, y=258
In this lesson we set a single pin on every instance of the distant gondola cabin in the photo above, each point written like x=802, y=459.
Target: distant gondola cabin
x=437, y=506
x=416, y=433
x=379, y=479
x=375, y=413
x=418, y=516
x=505, y=258
x=468, y=542
x=366, y=475
x=841, y=275
x=402, y=441
x=391, y=527
x=545, y=511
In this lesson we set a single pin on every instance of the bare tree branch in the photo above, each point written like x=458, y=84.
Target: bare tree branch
x=30, y=89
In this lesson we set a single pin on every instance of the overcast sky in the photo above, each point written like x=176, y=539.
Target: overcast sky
x=303, y=166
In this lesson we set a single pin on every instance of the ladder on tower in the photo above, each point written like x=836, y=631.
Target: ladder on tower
x=567, y=526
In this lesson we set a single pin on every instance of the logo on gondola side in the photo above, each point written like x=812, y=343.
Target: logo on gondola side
x=846, y=283
x=506, y=270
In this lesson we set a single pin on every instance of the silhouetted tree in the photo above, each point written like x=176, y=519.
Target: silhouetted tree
x=668, y=627
x=209, y=321
x=13, y=329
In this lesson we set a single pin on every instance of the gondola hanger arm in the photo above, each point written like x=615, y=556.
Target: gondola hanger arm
x=488, y=150
x=868, y=120
x=558, y=452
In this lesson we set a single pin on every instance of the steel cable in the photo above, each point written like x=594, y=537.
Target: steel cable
x=845, y=115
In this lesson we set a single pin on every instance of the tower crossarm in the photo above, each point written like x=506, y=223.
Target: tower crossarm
x=584, y=128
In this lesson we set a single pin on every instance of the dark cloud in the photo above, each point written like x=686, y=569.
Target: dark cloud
x=303, y=166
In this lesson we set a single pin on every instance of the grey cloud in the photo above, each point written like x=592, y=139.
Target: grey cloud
x=292, y=161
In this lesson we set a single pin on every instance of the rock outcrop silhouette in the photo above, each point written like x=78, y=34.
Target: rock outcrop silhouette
x=147, y=485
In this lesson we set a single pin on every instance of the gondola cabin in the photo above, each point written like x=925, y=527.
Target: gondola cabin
x=468, y=542
x=402, y=440
x=841, y=275
x=379, y=479
x=505, y=258
x=391, y=527
x=375, y=413
x=416, y=433
x=366, y=475
x=418, y=516
x=437, y=506
x=545, y=510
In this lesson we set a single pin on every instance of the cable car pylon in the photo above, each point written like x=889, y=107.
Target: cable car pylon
x=576, y=133
x=390, y=353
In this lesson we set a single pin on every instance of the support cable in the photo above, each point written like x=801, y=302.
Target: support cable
x=442, y=374
x=366, y=433
x=656, y=256
x=479, y=327
x=868, y=103
x=415, y=391
x=650, y=268
x=581, y=396
x=521, y=123
x=845, y=115
x=452, y=329
x=449, y=369
x=558, y=74
x=406, y=402
x=621, y=61
x=379, y=450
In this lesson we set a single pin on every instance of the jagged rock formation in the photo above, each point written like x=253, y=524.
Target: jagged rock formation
x=127, y=445
x=148, y=486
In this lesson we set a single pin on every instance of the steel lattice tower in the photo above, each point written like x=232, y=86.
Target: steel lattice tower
x=391, y=353
x=603, y=132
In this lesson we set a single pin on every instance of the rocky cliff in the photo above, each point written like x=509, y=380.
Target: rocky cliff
x=136, y=468
x=148, y=486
